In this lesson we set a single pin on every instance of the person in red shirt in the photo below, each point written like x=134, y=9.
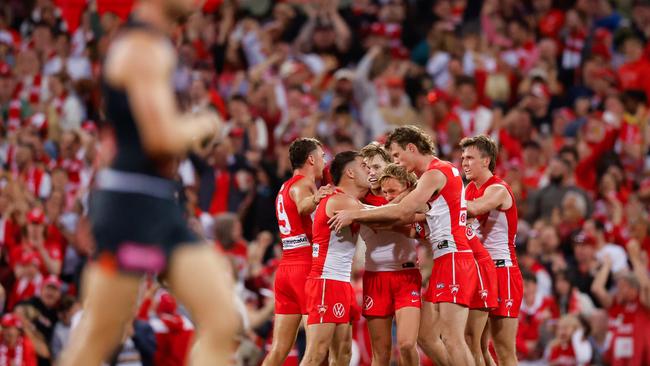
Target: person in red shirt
x=635, y=72
x=173, y=331
x=15, y=348
x=536, y=310
x=28, y=279
x=49, y=253
x=569, y=347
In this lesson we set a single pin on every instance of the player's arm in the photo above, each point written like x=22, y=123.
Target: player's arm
x=495, y=197
x=306, y=196
x=342, y=202
x=402, y=212
x=143, y=66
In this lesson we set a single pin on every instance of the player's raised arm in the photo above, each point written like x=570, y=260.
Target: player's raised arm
x=430, y=182
x=143, y=66
x=496, y=197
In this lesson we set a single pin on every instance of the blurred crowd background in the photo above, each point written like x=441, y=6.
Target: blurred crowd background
x=563, y=86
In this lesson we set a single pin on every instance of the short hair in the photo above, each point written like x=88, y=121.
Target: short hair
x=340, y=162
x=486, y=145
x=410, y=134
x=373, y=149
x=579, y=200
x=223, y=227
x=465, y=80
x=400, y=174
x=300, y=149
x=234, y=98
x=566, y=149
x=528, y=276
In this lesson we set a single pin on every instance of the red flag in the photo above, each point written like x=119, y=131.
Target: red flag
x=71, y=11
x=121, y=8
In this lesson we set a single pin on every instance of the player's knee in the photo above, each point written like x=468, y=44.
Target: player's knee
x=504, y=347
x=381, y=355
x=406, y=345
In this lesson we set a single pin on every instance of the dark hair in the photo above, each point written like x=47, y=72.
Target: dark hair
x=465, y=80
x=342, y=109
x=341, y=160
x=569, y=150
x=237, y=98
x=300, y=149
x=410, y=134
x=486, y=145
x=373, y=149
x=599, y=225
x=528, y=276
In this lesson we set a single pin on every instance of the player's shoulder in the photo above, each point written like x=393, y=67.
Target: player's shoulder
x=136, y=52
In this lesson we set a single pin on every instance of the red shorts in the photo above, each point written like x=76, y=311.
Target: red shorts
x=511, y=290
x=386, y=292
x=485, y=296
x=453, y=279
x=330, y=301
x=290, y=289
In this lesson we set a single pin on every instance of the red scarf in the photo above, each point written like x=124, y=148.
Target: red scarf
x=21, y=355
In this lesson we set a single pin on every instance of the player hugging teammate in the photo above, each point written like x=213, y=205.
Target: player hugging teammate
x=383, y=194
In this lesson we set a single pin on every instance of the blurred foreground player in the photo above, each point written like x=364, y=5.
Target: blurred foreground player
x=491, y=201
x=330, y=297
x=294, y=205
x=136, y=222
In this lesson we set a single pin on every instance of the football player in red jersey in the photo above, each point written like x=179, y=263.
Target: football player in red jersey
x=331, y=304
x=391, y=280
x=296, y=201
x=491, y=202
x=454, y=276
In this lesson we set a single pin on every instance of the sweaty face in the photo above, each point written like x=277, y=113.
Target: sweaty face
x=360, y=172
x=392, y=188
x=403, y=157
x=473, y=162
x=375, y=166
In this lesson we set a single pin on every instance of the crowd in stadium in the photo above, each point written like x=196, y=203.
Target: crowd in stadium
x=562, y=86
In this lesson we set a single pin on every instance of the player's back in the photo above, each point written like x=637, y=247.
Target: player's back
x=447, y=215
x=295, y=229
x=332, y=252
x=497, y=229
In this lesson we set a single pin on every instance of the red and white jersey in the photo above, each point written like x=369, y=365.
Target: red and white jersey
x=447, y=215
x=295, y=230
x=562, y=354
x=332, y=252
x=498, y=228
x=387, y=250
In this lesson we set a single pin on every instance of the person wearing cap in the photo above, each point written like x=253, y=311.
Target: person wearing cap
x=173, y=332
x=40, y=314
x=48, y=253
x=16, y=349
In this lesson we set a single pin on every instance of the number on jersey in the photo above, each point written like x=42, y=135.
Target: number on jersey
x=283, y=219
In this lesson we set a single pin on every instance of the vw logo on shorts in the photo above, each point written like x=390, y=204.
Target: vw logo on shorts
x=368, y=302
x=338, y=310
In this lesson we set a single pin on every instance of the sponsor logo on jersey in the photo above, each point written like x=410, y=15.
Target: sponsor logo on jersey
x=338, y=310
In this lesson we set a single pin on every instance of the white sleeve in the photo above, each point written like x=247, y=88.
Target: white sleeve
x=262, y=134
x=45, y=188
x=544, y=283
x=581, y=347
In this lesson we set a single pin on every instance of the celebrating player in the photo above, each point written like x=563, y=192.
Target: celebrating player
x=330, y=298
x=296, y=201
x=454, y=276
x=391, y=281
x=491, y=201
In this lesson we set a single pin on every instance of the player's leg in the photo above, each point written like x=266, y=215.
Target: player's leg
x=319, y=338
x=429, y=334
x=452, y=322
x=341, y=349
x=504, y=334
x=285, y=329
x=485, y=346
x=380, y=339
x=473, y=333
x=408, y=323
x=202, y=281
x=110, y=300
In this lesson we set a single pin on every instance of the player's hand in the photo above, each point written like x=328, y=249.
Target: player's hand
x=210, y=123
x=341, y=219
x=323, y=192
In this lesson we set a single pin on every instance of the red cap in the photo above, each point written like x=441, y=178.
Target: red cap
x=400, y=53
x=237, y=132
x=377, y=29
x=36, y=216
x=11, y=321
x=395, y=82
x=540, y=90
x=52, y=280
x=5, y=70
x=166, y=304
x=435, y=96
